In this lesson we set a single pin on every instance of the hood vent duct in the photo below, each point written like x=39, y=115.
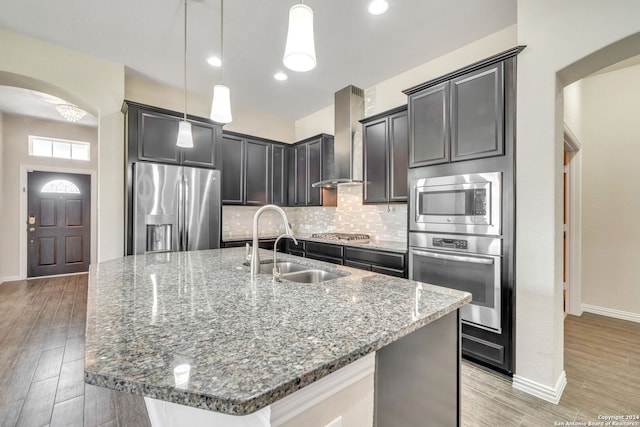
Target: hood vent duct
x=347, y=149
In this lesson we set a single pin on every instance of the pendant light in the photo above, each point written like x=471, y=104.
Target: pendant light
x=185, y=138
x=300, y=52
x=221, y=102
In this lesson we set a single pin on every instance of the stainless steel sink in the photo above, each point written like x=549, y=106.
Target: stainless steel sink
x=283, y=267
x=310, y=276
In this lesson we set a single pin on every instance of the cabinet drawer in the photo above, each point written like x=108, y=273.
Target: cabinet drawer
x=384, y=259
x=293, y=247
x=324, y=249
x=483, y=350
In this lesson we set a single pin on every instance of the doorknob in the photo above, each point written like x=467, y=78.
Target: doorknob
x=32, y=229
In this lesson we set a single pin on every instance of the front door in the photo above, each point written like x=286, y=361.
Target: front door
x=58, y=223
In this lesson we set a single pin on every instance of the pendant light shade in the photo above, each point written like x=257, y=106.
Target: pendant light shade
x=221, y=104
x=300, y=52
x=185, y=138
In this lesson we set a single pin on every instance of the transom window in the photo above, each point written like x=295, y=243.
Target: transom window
x=59, y=148
x=60, y=186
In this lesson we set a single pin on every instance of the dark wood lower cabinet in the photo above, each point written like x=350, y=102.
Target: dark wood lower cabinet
x=325, y=252
x=262, y=243
x=377, y=261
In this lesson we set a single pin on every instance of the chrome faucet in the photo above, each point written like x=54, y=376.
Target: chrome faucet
x=276, y=272
x=255, y=258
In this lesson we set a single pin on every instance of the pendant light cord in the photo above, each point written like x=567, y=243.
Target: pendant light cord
x=221, y=41
x=185, y=60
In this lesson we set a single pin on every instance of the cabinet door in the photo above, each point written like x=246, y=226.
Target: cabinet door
x=314, y=174
x=398, y=156
x=203, y=152
x=157, y=136
x=375, y=162
x=232, y=170
x=429, y=132
x=257, y=172
x=477, y=116
x=300, y=184
x=278, y=175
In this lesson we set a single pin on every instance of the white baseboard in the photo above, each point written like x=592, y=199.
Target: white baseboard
x=9, y=279
x=290, y=406
x=550, y=394
x=610, y=312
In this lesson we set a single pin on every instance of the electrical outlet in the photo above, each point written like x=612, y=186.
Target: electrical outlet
x=335, y=423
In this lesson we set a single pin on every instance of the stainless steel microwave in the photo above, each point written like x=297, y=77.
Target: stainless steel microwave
x=468, y=204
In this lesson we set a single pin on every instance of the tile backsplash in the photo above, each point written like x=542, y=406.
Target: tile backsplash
x=381, y=222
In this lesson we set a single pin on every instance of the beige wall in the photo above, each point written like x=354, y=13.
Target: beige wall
x=97, y=86
x=605, y=113
x=16, y=131
x=568, y=40
x=244, y=120
x=1, y=192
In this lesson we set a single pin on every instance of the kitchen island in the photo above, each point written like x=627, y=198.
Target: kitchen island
x=194, y=329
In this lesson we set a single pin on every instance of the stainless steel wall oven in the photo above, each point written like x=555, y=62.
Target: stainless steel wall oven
x=467, y=263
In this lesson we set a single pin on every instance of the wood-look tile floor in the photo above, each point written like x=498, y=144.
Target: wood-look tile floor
x=42, y=324
x=602, y=364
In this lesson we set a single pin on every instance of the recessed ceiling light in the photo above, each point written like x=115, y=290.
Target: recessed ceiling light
x=378, y=7
x=214, y=61
x=280, y=76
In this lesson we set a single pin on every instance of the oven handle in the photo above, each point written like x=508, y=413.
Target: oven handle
x=473, y=260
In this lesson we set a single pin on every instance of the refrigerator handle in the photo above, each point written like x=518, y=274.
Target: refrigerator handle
x=186, y=214
x=180, y=215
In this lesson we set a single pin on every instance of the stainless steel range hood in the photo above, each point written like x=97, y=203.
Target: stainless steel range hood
x=347, y=157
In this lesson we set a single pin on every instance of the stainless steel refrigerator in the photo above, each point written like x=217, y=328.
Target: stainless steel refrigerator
x=175, y=208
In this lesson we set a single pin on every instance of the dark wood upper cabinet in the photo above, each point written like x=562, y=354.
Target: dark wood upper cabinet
x=429, y=132
x=232, y=165
x=247, y=170
x=477, y=114
x=310, y=161
x=399, y=156
x=152, y=133
x=203, y=153
x=279, y=175
x=257, y=172
x=376, y=154
x=459, y=116
x=300, y=175
x=386, y=152
x=314, y=172
x=156, y=137
x=254, y=170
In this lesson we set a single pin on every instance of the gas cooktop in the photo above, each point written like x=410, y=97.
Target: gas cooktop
x=360, y=238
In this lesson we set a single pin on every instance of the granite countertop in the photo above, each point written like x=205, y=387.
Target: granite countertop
x=248, y=342
x=383, y=245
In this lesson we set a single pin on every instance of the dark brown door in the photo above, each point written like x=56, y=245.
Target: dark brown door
x=58, y=223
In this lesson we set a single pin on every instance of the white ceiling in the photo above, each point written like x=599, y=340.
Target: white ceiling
x=352, y=47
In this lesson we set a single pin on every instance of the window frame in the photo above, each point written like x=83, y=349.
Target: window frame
x=69, y=142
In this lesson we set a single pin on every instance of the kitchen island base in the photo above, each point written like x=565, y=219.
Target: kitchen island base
x=346, y=394
x=418, y=377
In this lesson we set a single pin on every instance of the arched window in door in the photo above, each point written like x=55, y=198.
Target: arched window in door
x=60, y=186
